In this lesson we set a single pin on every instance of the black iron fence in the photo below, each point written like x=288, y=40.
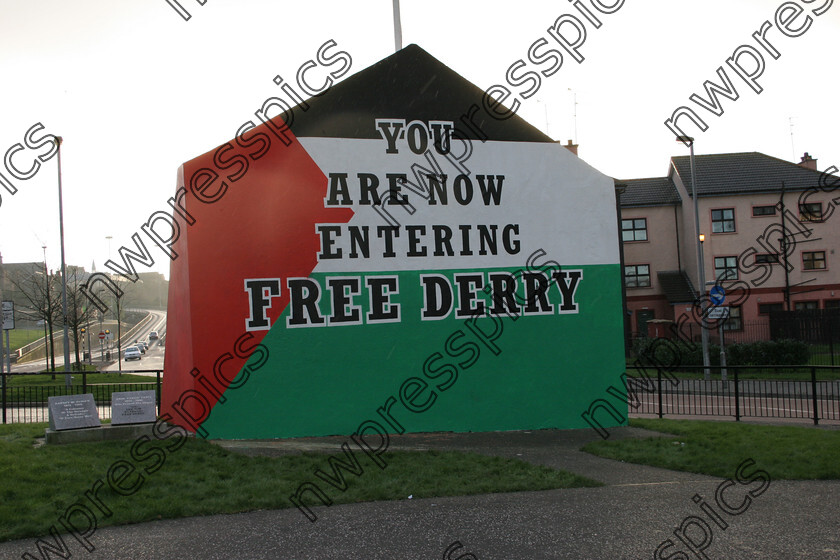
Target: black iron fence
x=816, y=326
x=807, y=392
x=25, y=395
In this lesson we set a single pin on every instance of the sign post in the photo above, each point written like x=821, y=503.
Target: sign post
x=718, y=313
x=717, y=295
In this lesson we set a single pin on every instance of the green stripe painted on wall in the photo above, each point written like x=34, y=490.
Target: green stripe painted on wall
x=329, y=380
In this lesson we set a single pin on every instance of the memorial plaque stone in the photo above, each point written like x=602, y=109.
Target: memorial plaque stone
x=133, y=407
x=70, y=412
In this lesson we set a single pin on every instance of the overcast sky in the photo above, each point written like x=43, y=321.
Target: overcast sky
x=135, y=90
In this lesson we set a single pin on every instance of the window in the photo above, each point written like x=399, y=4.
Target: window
x=764, y=210
x=763, y=258
x=637, y=276
x=805, y=305
x=723, y=220
x=634, y=230
x=810, y=212
x=832, y=304
x=767, y=308
x=734, y=323
x=726, y=268
x=813, y=260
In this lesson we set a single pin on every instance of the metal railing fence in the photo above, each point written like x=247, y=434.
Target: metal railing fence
x=22, y=402
x=809, y=392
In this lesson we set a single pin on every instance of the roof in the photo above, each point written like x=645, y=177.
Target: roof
x=677, y=286
x=743, y=173
x=653, y=191
x=411, y=84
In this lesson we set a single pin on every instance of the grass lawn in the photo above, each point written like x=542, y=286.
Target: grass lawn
x=766, y=373
x=45, y=380
x=717, y=448
x=22, y=337
x=801, y=373
x=200, y=478
x=33, y=389
x=824, y=358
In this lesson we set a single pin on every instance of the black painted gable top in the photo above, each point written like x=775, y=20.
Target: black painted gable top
x=410, y=84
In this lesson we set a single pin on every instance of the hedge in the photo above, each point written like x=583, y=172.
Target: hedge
x=763, y=353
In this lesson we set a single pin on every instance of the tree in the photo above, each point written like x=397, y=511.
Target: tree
x=79, y=312
x=41, y=293
x=120, y=294
x=119, y=304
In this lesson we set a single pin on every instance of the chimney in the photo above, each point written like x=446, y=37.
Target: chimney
x=808, y=162
x=571, y=147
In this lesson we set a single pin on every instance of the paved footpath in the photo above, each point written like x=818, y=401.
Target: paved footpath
x=639, y=508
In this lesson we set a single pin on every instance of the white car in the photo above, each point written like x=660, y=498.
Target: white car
x=131, y=353
x=153, y=335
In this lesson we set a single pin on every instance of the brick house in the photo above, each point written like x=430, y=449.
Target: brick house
x=744, y=210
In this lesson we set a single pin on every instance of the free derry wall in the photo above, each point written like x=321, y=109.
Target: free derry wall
x=389, y=256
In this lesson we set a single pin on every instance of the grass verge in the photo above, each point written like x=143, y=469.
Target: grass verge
x=716, y=448
x=802, y=373
x=22, y=337
x=35, y=390
x=200, y=478
x=45, y=379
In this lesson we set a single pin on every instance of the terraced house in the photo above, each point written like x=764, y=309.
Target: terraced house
x=767, y=222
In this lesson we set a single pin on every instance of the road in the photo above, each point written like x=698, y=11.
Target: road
x=152, y=359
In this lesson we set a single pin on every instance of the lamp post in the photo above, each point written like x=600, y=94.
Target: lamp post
x=67, y=377
x=119, y=315
x=89, y=347
x=620, y=189
x=397, y=26
x=101, y=340
x=701, y=273
x=47, y=340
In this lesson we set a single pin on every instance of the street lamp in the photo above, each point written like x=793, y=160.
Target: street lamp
x=67, y=377
x=701, y=273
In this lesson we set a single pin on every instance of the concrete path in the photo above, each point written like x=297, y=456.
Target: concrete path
x=639, y=508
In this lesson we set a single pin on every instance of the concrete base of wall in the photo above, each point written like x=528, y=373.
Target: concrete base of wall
x=106, y=432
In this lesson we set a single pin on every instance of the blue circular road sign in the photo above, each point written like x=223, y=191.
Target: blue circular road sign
x=717, y=295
